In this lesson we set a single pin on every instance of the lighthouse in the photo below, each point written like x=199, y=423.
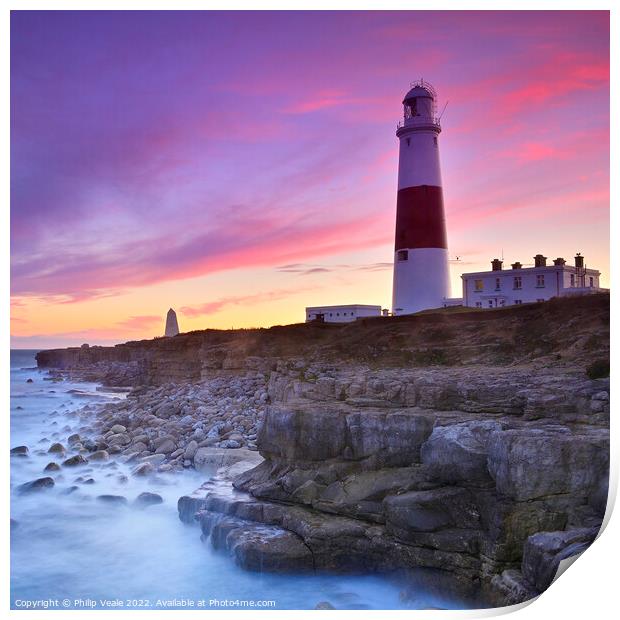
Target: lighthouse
x=421, y=279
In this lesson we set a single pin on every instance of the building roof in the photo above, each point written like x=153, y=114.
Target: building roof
x=418, y=91
x=529, y=269
x=343, y=306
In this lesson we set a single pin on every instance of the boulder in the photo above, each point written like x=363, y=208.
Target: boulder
x=99, y=455
x=115, y=500
x=52, y=467
x=118, y=428
x=190, y=449
x=19, y=451
x=57, y=448
x=78, y=459
x=146, y=499
x=154, y=459
x=72, y=439
x=144, y=469
x=166, y=447
x=121, y=439
x=39, y=484
x=324, y=605
x=230, y=444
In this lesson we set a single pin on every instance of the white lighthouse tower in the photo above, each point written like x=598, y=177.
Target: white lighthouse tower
x=421, y=278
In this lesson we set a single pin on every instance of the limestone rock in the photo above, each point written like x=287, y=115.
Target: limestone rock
x=261, y=548
x=428, y=511
x=211, y=459
x=544, y=551
x=309, y=433
x=512, y=588
x=531, y=463
x=458, y=452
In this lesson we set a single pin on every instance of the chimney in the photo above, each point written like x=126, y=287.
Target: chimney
x=496, y=264
x=579, y=261
x=540, y=260
x=516, y=265
x=559, y=261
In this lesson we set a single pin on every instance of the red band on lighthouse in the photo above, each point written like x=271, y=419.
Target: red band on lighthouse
x=420, y=221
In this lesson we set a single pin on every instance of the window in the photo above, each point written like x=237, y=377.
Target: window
x=502, y=302
x=517, y=284
x=478, y=304
x=498, y=284
x=540, y=281
x=490, y=303
x=591, y=282
x=478, y=285
x=572, y=279
x=517, y=302
x=402, y=255
x=435, y=140
x=408, y=141
x=337, y=313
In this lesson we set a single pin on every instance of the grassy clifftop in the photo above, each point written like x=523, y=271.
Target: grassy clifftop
x=573, y=331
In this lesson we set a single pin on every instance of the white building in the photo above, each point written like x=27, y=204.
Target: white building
x=521, y=285
x=340, y=314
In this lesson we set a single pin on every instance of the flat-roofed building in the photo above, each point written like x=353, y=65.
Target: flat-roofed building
x=341, y=314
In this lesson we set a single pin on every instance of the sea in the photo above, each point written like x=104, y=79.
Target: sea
x=71, y=551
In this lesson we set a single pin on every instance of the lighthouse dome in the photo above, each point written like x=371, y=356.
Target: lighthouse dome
x=419, y=90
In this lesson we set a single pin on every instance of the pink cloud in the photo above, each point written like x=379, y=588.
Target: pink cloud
x=213, y=307
x=140, y=322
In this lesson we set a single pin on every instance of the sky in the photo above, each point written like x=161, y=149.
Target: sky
x=239, y=166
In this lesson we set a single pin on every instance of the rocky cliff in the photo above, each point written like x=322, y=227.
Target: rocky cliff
x=560, y=331
x=474, y=443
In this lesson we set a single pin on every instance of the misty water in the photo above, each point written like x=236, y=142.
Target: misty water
x=71, y=550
